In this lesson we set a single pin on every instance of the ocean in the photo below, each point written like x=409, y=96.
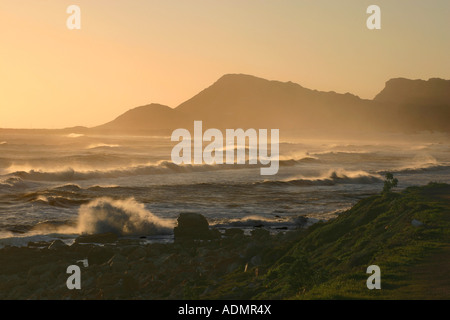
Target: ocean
x=58, y=186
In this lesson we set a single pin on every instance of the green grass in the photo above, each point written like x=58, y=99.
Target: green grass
x=329, y=260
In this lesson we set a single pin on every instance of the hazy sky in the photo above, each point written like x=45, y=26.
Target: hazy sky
x=134, y=52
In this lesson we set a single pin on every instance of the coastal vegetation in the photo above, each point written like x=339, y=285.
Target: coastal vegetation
x=407, y=234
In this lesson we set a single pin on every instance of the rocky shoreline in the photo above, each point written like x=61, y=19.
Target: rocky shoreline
x=406, y=234
x=120, y=268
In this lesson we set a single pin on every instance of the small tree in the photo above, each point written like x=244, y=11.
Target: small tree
x=389, y=183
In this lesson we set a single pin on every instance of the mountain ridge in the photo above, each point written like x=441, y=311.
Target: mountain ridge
x=245, y=101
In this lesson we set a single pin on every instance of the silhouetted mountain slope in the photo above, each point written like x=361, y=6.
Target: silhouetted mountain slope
x=405, y=91
x=417, y=105
x=245, y=101
x=152, y=117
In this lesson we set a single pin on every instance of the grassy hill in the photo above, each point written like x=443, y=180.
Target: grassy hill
x=329, y=260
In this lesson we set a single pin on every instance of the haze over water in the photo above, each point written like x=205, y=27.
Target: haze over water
x=61, y=185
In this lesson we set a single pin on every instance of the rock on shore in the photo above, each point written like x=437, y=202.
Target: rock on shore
x=121, y=268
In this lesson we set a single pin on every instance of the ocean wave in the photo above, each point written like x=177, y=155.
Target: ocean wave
x=102, y=145
x=332, y=178
x=162, y=167
x=123, y=217
x=58, y=201
x=256, y=221
x=11, y=182
x=70, y=187
x=103, y=187
x=418, y=169
x=74, y=135
x=54, y=227
x=293, y=162
x=14, y=183
x=9, y=239
x=41, y=232
x=81, y=162
x=63, y=196
x=339, y=152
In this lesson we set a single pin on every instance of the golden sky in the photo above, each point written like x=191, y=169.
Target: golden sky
x=135, y=52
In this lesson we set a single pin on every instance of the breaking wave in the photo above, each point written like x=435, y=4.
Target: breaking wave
x=419, y=169
x=56, y=201
x=160, y=168
x=256, y=221
x=14, y=183
x=102, y=145
x=122, y=217
x=74, y=135
x=332, y=178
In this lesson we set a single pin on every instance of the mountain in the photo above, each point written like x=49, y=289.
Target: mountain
x=149, y=118
x=403, y=91
x=417, y=105
x=245, y=101
x=238, y=100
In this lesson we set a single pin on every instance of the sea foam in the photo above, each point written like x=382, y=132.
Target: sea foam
x=123, y=217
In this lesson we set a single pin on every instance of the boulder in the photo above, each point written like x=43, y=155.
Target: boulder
x=97, y=238
x=38, y=244
x=56, y=244
x=301, y=222
x=232, y=232
x=99, y=255
x=192, y=226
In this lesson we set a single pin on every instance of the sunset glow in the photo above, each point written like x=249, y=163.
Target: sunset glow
x=134, y=53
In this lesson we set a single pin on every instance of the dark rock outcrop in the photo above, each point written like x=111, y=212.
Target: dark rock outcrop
x=97, y=238
x=192, y=226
